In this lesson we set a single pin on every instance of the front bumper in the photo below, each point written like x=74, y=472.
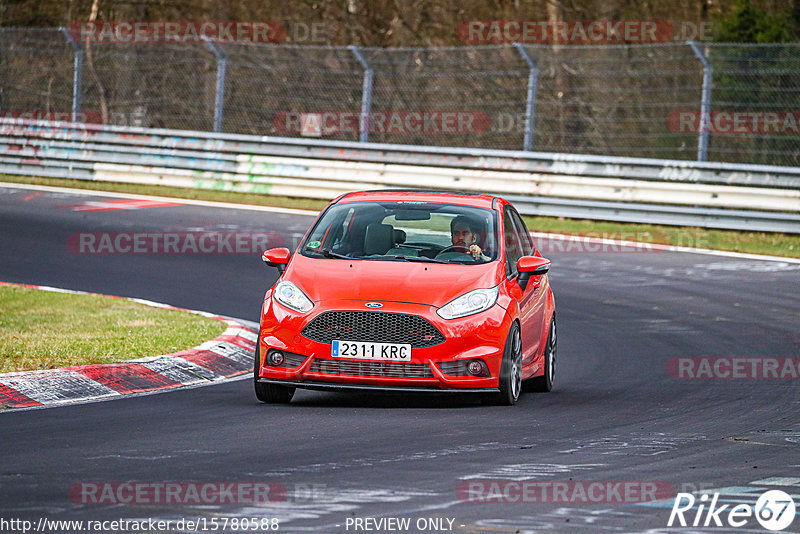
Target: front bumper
x=328, y=386
x=480, y=336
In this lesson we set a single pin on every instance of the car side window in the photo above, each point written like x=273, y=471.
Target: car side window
x=524, y=235
x=512, y=243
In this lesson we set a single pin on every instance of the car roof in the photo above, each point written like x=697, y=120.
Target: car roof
x=478, y=200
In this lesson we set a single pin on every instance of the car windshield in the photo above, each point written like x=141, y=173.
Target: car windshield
x=404, y=231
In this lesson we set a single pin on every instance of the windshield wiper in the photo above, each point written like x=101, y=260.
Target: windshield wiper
x=328, y=253
x=422, y=259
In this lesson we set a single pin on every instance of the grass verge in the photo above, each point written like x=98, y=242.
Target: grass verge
x=773, y=244
x=47, y=330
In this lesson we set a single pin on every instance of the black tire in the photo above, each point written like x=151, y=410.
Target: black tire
x=511, y=369
x=269, y=393
x=544, y=383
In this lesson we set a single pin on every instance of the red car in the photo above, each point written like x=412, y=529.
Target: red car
x=409, y=291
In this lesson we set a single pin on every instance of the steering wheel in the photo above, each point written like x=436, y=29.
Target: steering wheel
x=455, y=248
x=454, y=252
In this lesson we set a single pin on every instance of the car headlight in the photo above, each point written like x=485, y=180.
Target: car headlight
x=475, y=301
x=290, y=296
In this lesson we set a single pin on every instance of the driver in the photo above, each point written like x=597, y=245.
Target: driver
x=464, y=233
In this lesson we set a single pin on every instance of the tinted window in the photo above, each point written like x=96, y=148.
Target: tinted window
x=511, y=239
x=524, y=235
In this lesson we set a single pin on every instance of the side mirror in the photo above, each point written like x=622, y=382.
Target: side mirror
x=277, y=257
x=529, y=266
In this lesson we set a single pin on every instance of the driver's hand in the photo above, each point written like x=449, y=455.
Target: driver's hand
x=475, y=251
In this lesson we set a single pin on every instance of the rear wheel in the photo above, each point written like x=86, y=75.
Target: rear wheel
x=269, y=393
x=511, y=369
x=544, y=383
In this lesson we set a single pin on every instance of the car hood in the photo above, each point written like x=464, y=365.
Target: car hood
x=398, y=281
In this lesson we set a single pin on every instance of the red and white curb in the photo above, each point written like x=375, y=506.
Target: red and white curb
x=229, y=355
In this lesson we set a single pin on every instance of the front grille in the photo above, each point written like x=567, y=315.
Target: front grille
x=377, y=327
x=371, y=368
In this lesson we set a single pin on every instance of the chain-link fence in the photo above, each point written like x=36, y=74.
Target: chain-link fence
x=720, y=102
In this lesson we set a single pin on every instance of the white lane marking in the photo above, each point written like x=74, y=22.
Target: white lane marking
x=519, y=472
x=325, y=502
x=755, y=267
x=778, y=481
x=186, y=201
x=554, y=520
x=632, y=445
x=669, y=248
x=374, y=461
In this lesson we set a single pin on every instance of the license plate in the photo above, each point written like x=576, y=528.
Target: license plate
x=391, y=352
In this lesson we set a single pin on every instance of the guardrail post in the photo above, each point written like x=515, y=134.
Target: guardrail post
x=705, y=102
x=77, y=75
x=219, y=99
x=366, y=94
x=530, y=105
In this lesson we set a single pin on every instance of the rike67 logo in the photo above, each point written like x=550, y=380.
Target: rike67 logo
x=774, y=510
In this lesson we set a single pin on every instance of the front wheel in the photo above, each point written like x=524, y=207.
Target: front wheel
x=544, y=383
x=511, y=369
x=269, y=393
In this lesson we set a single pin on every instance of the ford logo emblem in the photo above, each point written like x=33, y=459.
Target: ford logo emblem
x=373, y=305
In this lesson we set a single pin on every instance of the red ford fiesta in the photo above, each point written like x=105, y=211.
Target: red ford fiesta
x=409, y=291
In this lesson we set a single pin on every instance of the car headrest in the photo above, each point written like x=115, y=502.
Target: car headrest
x=378, y=238
x=399, y=237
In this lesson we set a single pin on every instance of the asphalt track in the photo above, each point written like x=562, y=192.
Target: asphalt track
x=615, y=414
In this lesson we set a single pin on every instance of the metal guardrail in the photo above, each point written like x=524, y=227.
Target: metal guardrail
x=675, y=192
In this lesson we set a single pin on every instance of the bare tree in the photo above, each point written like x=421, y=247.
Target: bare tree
x=103, y=92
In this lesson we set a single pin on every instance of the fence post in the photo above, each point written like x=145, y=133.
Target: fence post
x=705, y=102
x=366, y=94
x=219, y=99
x=77, y=74
x=530, y=105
